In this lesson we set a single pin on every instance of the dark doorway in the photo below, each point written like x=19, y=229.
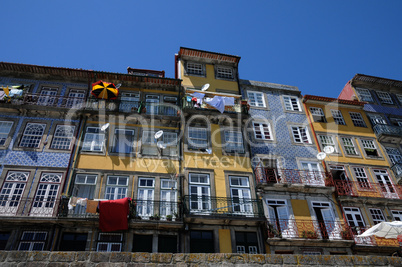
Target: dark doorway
x=73, y=242
x=142, y=243
x=202, y=242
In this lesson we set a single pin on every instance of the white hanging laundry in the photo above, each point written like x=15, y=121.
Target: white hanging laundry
x=217, y=102
x=229, y=101
x=199, y=97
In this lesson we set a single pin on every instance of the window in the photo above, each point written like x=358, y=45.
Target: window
x=312, y=173
x=399, y=98
x=142, y=243
x=327, y=140
x=145, y=202
x=4, y=236
x=241, y=195
x=357, y=119
x=376, y=119
x=246, y=242
x=75, y=99
x=224, y=72
x=32, y=241
x=84, y=187
x=201, y=242
x=234, y=142
x=11, y=192
x=300, y=135
x=63, y=135
x=46, y=195
x=354, y=218
x=123, y=141
x=292, y=103
x=152, y=104
x=397, y=215
x=256, y=99
x=385, y=97
x=73, y=242
x=338, y=118
x=361, y=177
x=5, y=128
x=318, y=114
x=169, y=143
x=385, y=184
x=279, y=223
x=129, y=102
x=199, y=192
x=197, y=138
x=370, y=148
x=32, y=135
x=349, y=146
x=394, y=155
x=110, y=242
x=48, y=96
x=166, y=144
x=168, y=198
x=377, y=216
x=94, y=140
x=364, y=95
x=262, y=131
x=195, y=69
x=116, y=187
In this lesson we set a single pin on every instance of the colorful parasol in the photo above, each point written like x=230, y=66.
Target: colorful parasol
x=104, y=90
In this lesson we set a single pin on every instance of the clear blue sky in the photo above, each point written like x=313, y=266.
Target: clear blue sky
x=315, y=45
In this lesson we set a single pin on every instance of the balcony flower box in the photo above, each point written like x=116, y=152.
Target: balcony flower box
x=309, y=235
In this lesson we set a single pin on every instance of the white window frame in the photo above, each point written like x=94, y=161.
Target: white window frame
x=109, y=244
x=394, y=155
x=318, y=114
x=194, y=68
x=32, y=242
x=397, y=214
x=63, y=137
x=292, y=103
x=357, y=119
x=121, y=142
x=75, y=99
x=370, y=144
x=233, y=141
x=116, y=190
x=377, y=119
x=12, y=191
x=46, y=195
x=348, y=145
x=354, y=212
x=362, y=177
x=300, y=135
x=94, y=141
x=364, y=95
x=5, y=128
x=203, y=201
x=256, y=99
x=328, y=140
x=262, y=131
x=377, y=216
x=48, y=95
x=338, y=117
x=201, y=136
x=384, y=97
x=242, y=188
x=145, y=196
x=34, y=138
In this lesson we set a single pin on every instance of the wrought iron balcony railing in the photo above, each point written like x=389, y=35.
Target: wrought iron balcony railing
x=397, y=169
x=387, y=130
x=49, y=101
x=221, y=206
x=367, y=189
x=290, y=176
x=139, y=209
x=35, y=207
x=309, y=229
x=238, y=107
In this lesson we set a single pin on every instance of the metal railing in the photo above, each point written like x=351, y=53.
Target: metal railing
x=221, y=206
x=139, y=209
x=35, y=207
x=382, y=129
x=290, y=176
x=397, y=169
x=49, y=101
x=238, y=107
x=367, y=189
x=309, y=229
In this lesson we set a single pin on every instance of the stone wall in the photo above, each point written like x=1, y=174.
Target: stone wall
x=127, y=259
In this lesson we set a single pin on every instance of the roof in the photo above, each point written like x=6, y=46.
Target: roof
x=375, y=82
x=81, y=74
x=330, y=99
x=184, y=51
x=269, y=85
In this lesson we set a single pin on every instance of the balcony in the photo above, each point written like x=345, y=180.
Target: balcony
x=397, y=169
x=290, y=176
x=221, y=206
x=388, y=133
x=33, y=207
x=45, y=101
x=192, y=106
x=367, y=189
x=139, y=210
x=308, y=229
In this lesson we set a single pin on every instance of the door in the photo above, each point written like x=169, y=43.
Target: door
x=10, y=197
x=242, y=201
x=145, y=201
x=46, y=195
x=168, y=198
x=199, y=199
x=279, y=218
x=341, y=180
x=75, y=99
x=151, y=104
x=332, y=227
x=129, y=102
x=312, y=174
x=387, y=188
x=47, y=97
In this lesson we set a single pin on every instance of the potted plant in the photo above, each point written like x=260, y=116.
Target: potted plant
x=309, y=234
x=346, y=234
x=176, y=216
x=169, y=217
x=273, y=232
x=157, y=217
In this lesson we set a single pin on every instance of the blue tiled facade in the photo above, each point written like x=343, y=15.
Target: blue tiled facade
x=282, y=147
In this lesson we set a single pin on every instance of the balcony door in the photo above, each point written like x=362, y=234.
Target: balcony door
x=75, y=99
x=46, y=195
x=152, y=104
x=47, y=96
x=145, y=200
x=11, y=193
x=279, y=219
x=387, y=188
x=200, y=193
x=327, y=226
x=341, y=180
x=312, y=174
x=241, y=195
x=168, y=198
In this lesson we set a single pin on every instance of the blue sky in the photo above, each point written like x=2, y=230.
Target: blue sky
x=315, y=45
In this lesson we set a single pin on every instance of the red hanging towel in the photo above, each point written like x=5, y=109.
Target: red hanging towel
x=113, y=215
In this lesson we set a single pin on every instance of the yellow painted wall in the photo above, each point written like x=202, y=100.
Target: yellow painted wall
x=195, y=81
x=302, y=216
x=225, y=242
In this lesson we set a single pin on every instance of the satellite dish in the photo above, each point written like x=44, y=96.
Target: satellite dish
x=160, y=145
x=321, y=155
x=205, y=87
x=209, y=151
x=118, y=85
x=104, y=127
x=329, y=149
x=158, y=134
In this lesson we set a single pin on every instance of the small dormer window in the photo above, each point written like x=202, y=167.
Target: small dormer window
x=193, y=68
x=224, y=72
x=385, y=97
